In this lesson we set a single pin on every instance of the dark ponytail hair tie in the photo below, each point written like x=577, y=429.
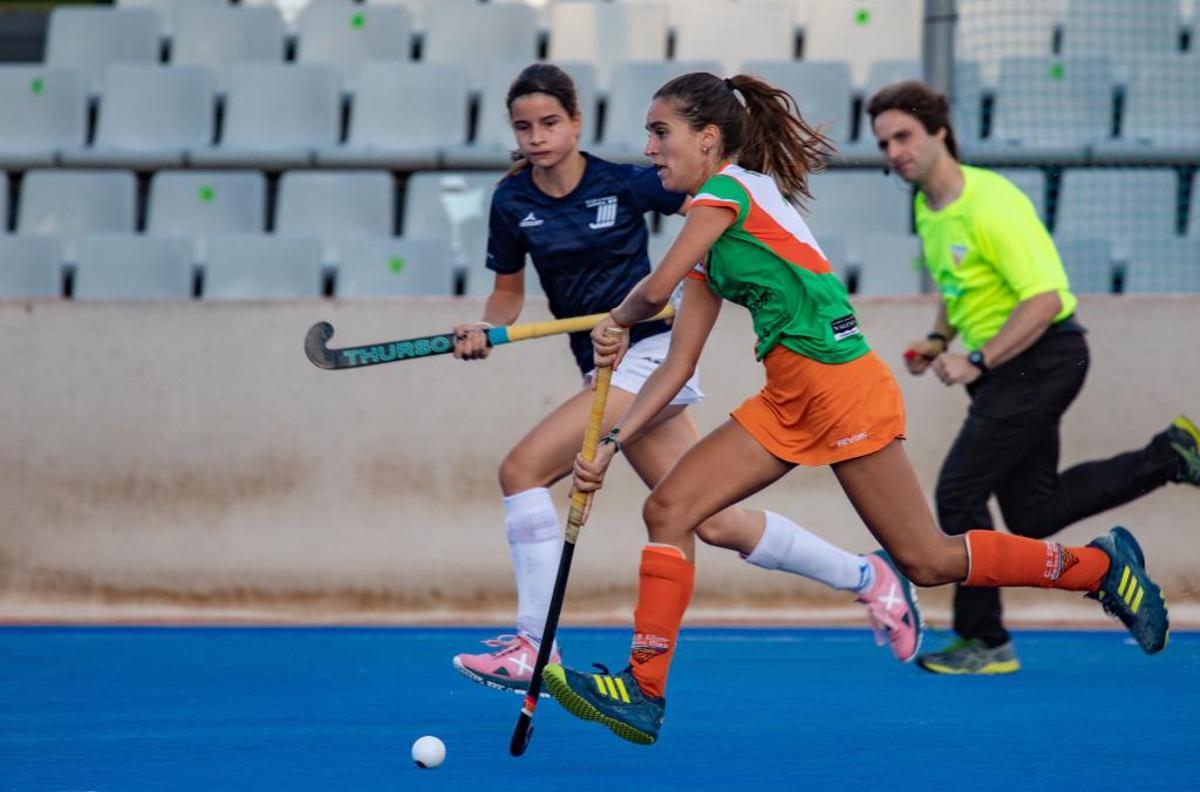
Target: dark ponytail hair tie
x=729, y=84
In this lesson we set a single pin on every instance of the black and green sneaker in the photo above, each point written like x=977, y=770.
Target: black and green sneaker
x=1128, y=593
x=1185, y=440
x=613, y=700
x=971, y=656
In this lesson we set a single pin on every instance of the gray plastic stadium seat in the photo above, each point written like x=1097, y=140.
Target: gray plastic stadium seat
x=223, y=37
x=1162, y=103
x=1121, y=28
x=1163, y=264
x=1117, y=203
x=494, y=138
x=821, y=89
x=167, y=9
x=605, y=34
x=455, y=207
x=71, y=203
x=624, y=135
x=385, y=132
x=763, y=30
x=196, y=205
x=1193, y=221
x=1088, y=262
x=263, y=267
x=885, y=263
x=1030, y=181
x=863, y=32
x=3, y=202
x=989, y=31
x=30, y=266
x=1049, y=108
x=276, y=116
x=392, y=266
x=834, y=248
x=149, y=116
x=45, y=111
x=477, y=35
x=128, y=267
x=347, y=36
x=858, y=202
x=335, y=204
x=91, y=39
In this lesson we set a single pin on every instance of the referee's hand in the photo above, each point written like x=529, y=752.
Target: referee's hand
x=920, y=354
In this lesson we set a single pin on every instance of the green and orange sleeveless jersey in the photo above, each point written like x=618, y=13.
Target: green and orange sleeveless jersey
x=769, y=262
x=987, y=251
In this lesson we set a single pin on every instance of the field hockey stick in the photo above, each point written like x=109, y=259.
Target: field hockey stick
x=523, y=731
x=322, y=356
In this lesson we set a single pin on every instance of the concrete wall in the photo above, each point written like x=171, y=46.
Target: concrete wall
x=185, y=461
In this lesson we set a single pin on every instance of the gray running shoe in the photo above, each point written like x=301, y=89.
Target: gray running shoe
x=970, y=656
x=1185, y=439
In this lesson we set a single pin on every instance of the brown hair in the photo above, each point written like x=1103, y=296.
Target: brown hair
x=760, y=126
x=543, y=78
x=921, y=102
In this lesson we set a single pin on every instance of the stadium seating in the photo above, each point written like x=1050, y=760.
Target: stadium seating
x=1162, y=264
x=822, y=89
x=849, y=203
x=624, y=135
x=1193, y=221
x=149, y=117
x=90, y=39
x=495, y=32
x=71, y=203
x=45, y=111
x=1089, y=263
x=168, y=9
x=494, y=138
x=763, y=30
x=454, y=206
x=989, y=31
x=1117, y=203
x=30, y=266
x=884, y=263
x=128, y=267
x=335, y=204
x=1050, y=109
x=223, y=37
x=605, y=34
x=372, y=266
x=863, y=32
x=1114, y=29
x=347, y=36
x=250, y=267
x=1162, y=103
x=276, y=117
x=197, y=204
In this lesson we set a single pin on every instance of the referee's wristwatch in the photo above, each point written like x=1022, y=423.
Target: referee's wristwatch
x=976, y=360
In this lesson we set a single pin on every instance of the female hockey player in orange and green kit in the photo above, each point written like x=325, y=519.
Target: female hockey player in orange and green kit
x=734, y=144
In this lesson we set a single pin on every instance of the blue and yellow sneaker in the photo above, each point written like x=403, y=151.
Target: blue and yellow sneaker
x=1128, y=593
x=1185, y=440
x=615, y=701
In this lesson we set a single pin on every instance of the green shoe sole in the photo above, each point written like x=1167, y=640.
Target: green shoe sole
x=555, y=681
x=991, y=669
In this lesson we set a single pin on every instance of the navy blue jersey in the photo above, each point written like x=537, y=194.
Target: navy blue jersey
x=588, y=247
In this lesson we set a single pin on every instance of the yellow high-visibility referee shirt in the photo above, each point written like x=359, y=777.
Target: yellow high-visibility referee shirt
x=987, y=251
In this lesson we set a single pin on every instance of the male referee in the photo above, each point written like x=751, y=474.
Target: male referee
x=1005, y=292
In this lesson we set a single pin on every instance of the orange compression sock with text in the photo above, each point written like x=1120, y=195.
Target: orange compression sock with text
x=665, y=587
x=998, y=559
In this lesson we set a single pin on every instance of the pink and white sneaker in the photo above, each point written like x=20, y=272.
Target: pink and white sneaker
x=509, y=667
x=892, y=608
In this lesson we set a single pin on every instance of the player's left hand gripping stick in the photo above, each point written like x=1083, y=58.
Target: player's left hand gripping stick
x=523, y=731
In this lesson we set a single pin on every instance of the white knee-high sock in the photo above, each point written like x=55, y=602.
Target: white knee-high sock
x=787, y=546
x=535, y=541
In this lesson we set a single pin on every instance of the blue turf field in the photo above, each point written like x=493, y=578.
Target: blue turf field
x=337, y=709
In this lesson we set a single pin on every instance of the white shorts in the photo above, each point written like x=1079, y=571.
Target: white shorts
x=641, y=360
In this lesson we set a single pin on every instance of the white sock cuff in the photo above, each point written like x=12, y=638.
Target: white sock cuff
x=775, y=544
x=529, y=516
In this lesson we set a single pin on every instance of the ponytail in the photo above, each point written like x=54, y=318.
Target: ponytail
x=761, y=127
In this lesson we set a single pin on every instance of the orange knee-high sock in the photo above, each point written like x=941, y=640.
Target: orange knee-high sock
x=665, y=587
x=998, y=559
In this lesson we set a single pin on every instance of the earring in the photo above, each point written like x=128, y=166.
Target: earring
x=704, y=149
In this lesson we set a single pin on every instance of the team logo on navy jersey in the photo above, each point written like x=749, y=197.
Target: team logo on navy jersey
x=531, y=221
x=606, y=212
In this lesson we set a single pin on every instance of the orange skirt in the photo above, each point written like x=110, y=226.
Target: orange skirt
x=813, y=413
